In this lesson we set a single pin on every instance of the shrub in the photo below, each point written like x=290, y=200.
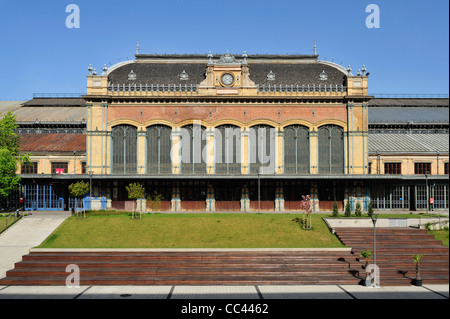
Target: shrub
x=335, y=209
x=347, y=211
x=370, y=208
x=135, y=192
x=358, y=210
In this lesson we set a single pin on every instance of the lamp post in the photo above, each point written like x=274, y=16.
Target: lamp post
x=426, y=187
x=259, y=189
x=90, y=185
x=374, y=218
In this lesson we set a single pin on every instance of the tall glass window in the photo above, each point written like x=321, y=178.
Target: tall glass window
x=296, y=150
x=159, y=145
x=262, y=149
x=227, y=151
x=193, y=149
x=331, y=150
x=124, y=149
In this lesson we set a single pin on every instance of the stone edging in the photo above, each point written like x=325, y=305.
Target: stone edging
x=34, y=250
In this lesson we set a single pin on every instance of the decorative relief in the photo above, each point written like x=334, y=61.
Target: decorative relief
x=132, y=76
x=184, y=76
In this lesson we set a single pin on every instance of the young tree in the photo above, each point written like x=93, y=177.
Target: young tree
x=8, y=136
x=370, y=208
x=78, y=190
x=9, y=181
x=155, y=201
x=135, y=192
x=358, y=209
x=347, y=211
x=335, y=209
x=10, y=156
x=416, y=259
x=308, y=206
x=366, y=255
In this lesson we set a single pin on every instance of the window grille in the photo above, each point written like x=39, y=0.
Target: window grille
x=159, y=146
x=227, y=150
x=124, y=143
x=193, y=149
x=331, y=150
x=296, y=150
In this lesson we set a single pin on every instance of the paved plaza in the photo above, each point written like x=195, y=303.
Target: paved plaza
x=224, y=292
x=32, y=230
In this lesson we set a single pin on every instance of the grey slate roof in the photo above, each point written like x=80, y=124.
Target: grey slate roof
x=295, y=70
x=403, y=115
x=407, y=143
x=296, y=74
x=56, y=102
x=159, y=73
x=409, y=102
x=55, y=114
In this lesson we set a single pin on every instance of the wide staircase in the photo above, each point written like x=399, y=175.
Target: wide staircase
x=393, y=252
x=184, y=268
x=394, y=247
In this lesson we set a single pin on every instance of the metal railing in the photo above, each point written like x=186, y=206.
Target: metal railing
x=410, y=96
x=53, y=95
x=301, y=88
x=152, y=88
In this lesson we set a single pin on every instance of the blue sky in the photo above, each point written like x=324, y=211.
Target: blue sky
x=408, y=54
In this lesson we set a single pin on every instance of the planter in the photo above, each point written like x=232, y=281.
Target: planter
x=416, y=282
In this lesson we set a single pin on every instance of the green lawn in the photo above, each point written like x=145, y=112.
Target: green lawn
x=191, y=231
x=441, y=235
x=6, y=222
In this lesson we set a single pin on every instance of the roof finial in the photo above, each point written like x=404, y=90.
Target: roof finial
x=137, y=47
x=315, y=48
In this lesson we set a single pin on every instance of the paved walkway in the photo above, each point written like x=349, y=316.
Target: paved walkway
x=27, y=233
x=224, y=292
x=32, y=230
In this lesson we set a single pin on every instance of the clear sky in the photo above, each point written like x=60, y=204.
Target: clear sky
x=407, y=54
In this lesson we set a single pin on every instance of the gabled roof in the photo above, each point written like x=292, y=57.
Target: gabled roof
x=411, y=102
x=50, y=114
x=412, y=115
x=407, y=143
x=288, y=70
x=67, y=142
x=54, y=101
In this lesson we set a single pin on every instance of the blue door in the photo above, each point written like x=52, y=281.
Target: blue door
x=43, y=197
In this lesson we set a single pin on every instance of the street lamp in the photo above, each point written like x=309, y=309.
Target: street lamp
x=374, y=218
x=90, y=184
x=426, y=186
x=259, y=189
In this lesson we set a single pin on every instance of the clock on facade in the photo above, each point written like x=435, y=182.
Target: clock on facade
x=227, y=79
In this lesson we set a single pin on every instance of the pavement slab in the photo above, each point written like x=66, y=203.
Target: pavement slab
x=215, y=292
x=126, y=292
x=400, y=292
x=303, y=292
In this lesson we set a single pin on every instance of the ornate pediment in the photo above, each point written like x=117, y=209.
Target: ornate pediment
x=227, y=59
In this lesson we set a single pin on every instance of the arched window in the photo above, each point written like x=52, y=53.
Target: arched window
x=296, y=150
x=159, y=145
x=124, y=149
x=262, y=149
x=193, y=149
x=331, y=150
x=227, y=151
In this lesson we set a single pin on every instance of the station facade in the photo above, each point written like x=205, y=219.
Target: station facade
x=235, y=133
